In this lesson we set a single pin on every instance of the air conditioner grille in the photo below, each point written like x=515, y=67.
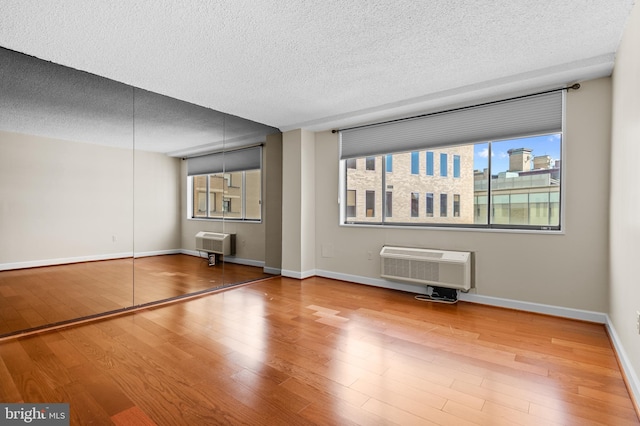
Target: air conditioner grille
x=425, y=266
x=212, y=245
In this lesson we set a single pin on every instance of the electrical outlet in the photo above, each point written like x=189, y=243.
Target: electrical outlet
x=369, y=255
x=638, y=321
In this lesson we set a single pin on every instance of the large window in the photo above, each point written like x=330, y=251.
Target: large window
x=512, y=181
x=235, y=193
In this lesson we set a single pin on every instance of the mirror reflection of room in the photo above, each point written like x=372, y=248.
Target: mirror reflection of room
x=98, y=212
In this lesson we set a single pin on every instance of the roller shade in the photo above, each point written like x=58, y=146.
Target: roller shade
x=531, y=115
x=228, y=161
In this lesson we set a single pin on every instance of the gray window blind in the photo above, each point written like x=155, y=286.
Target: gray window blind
x=228, y=161
x=531, y=115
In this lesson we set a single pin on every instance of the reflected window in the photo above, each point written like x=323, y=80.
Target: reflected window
x=235, y=195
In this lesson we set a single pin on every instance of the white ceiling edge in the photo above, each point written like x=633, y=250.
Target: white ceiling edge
x=515, y=85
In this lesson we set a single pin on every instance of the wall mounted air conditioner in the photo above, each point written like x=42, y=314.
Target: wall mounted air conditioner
x=450, y=269
x=215, y=242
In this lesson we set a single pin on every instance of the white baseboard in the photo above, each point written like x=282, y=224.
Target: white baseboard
x=298, y=275
x=539, y=308
x=627, y=367
x=156, y=253
x=272, y=271
x=559, y=311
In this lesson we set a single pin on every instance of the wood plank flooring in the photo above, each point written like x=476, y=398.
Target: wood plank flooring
x=38, y=296
x=323, y=352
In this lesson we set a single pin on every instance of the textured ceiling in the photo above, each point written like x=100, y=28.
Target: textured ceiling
x=325, y=63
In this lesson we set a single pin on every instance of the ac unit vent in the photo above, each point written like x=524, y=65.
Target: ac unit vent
x=214, y=242
x=451, y=269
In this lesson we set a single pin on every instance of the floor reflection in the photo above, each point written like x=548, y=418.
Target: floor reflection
x=31, y=298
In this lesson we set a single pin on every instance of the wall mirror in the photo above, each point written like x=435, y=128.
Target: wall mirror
x=97, y=203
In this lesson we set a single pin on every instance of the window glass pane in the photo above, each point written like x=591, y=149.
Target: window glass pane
x=363, y=182
x=443, y=164
x=480, y=209
x=456, y=166
x=415, y=204
x=199, y=196
x=217, y=187
x=429, y=163
x=525, y=173
x=500, y=209
x=389, y=163
x=371, y=203
x=351, y=203
x=253, y=194
x=443, y=205
x=388, y=205
x=351, y=163
x=233, y=195
x=371, y=163
x=404, y=182
x=456, y=205
x=415, y=163
x=429, y=202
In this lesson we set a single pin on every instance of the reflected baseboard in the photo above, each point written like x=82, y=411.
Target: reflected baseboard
x=63, y=261
x=112, y=256
x=230, y=259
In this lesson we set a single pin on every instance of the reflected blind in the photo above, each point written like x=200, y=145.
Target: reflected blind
x=526, y=116
x=228, y=161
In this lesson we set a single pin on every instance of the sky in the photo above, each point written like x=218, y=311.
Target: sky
x=541, y=145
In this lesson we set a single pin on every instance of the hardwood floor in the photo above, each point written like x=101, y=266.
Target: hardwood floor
x=34, y=297
x=319, y=351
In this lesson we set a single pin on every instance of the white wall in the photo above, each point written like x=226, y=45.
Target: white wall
x=298, y=203
x=625, y=195
x=568, y=270
x=63, y=201
x=156, y=203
